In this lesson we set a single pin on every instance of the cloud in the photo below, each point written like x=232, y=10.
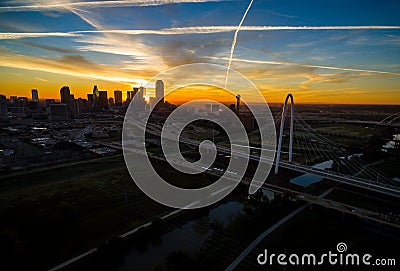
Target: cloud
x=16, y=35
x=50, y=48
x=307, y=66
x=187, y=30
x=73, y=65
x=41, y=79
x=281, y=14
x=234, y=41
x=60, y=5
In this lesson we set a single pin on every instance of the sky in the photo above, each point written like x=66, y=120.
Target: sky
x=321, y=51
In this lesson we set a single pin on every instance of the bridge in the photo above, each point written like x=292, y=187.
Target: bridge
x=309, y=152
x=320, y=148
x=306, y=149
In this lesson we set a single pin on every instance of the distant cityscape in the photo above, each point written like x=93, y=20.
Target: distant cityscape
x=70, y=107
x=36, y=132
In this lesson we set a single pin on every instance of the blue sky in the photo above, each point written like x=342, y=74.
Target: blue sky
x=323, y=65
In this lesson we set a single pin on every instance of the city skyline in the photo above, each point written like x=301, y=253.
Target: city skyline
x=322, y=52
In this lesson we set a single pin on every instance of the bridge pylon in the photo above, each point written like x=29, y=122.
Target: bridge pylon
x=278, y=155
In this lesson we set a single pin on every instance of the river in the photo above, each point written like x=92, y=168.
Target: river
x=188, y=238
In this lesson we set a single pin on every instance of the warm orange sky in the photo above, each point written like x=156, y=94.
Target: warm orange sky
x=320, y=54
x=20, y=82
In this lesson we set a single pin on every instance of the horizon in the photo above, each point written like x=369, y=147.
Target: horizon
x=302, y=47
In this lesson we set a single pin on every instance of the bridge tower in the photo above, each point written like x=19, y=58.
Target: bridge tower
x=278, y=155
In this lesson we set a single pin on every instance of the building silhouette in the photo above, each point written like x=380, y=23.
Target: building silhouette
x=95, y=96
x=237, y=103
x=134, y=92
x=65, y=95
x=118, y=97
x=3, y=105
x=35, y=95
x=160, y=91
x=90, y=101
x=102, y=100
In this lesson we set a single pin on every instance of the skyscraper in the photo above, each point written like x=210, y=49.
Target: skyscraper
x=65, y=95
x=95, y=96
x=134, y=92
x=96, y=93
x=142, y=92
x=118, y=97
x=237, y=103
x=35, y=95
x=103, y=100
x=90, y=100
x=160, y=91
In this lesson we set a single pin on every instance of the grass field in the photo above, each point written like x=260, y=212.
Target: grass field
x=318, y=231
x=52, y=214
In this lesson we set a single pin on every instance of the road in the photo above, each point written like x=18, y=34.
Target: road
x=261, y=237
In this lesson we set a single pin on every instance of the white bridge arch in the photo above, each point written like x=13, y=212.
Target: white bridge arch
x=278, y=155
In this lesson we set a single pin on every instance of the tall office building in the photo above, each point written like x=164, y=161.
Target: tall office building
x=35, y=95
x=142, y=92
x=65, y=95
x=96, y=95
x=103, y=100
x=75, y=108
x=90, y=100
x=160, y=91
x=134, y=92
x=139, y=101
x=118, y=97
x=237, y=103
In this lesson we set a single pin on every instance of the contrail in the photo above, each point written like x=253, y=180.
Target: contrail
x=305, y=65
x=193, y=30
x=14, y=36
x=234, y=41
x=99, y=4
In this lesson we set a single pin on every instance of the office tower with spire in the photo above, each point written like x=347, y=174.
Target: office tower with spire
x=237, y=103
